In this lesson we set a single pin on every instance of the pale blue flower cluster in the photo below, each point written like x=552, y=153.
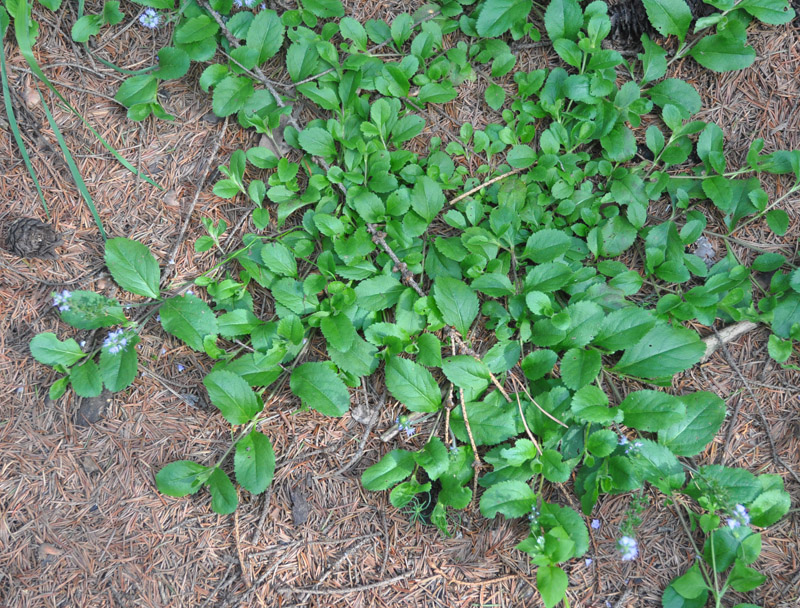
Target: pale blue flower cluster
x=116, y=341
x=150, y=19
x=632, y=448
x=244, y=3
x=62, y=300
x=595, y=524
x=739, y=517
x=628, y=547
x=404, y=425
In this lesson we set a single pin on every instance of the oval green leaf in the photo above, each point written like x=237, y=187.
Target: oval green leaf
x=232, y=396
x=320, y=388
x=133, y=267
x=254, y=462
x=412, y=385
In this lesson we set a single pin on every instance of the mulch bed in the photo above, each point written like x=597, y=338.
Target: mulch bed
x=81, y=522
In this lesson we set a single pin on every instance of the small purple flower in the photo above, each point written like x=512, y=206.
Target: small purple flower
x=633, y=449
x=404, y=425
x=180, y=367
x=628, y=547
x=588, y=561
x=150, y=18
x=595, y=524
x=116, y=341
x=623, y=440
x=739, y=517
x=62, y=300
x=189, y=292
x=163, y=351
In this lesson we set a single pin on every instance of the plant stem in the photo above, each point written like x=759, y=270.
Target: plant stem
x=703, y=566
x=766, y=209
x=686, y=47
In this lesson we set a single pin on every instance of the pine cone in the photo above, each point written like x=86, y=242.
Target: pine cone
x=628, y=22
x=629, y=19
x=28, y=237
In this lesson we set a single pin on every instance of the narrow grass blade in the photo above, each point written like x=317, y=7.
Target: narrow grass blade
x=115, y=67
x=12, y=123
x=73, y=168
x=22, y=30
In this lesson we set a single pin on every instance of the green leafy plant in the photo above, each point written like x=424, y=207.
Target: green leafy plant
x=732, y=500
x=394, y=258
x=89, y=25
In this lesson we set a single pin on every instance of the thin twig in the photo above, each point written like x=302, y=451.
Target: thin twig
x=456, y=581
x=531, y=45
x=729, y=432
x=725, y=335
x=483, y=185
x=344, y=590
x=448, y=402
x=525, y=423
x=541, y=409
x=476, y=461
x=239, y=553
x=385, y=542
x=379, y=238
x=283, y=547
x=464, y=348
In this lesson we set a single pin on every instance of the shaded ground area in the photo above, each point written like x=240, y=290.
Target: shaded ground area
x=81, y=522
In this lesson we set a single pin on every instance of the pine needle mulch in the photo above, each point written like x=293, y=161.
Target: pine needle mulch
x=81, y=522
